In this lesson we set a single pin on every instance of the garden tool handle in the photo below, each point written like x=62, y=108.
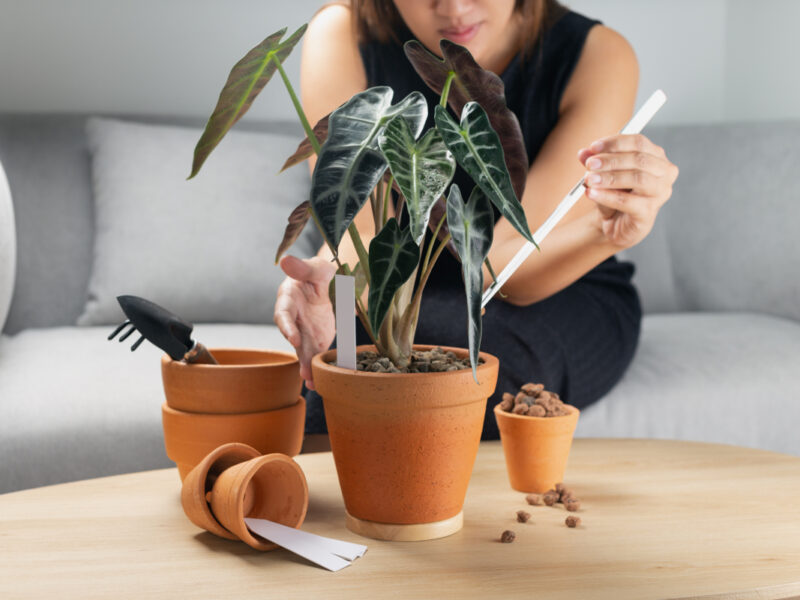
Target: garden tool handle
x=199, y=354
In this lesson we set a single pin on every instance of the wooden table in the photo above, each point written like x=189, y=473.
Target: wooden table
x=660, y=520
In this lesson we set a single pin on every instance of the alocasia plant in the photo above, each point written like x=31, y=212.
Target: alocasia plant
x=368, y=148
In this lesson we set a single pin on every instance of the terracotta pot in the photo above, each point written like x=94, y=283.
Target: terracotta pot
x=189, y=437
x=198, y=484
x=244, y=381
x=268, y=487
x=536, y=448
x=404, y=444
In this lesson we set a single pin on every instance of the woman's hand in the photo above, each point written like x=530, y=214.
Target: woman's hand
x=629, y=178
x=303, y=310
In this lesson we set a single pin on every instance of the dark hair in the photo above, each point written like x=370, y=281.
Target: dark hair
x=379, y=20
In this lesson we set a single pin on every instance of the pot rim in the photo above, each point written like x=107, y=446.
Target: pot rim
x=319, y=361
x=573, y=412
x=184, y=414
x=290, y=359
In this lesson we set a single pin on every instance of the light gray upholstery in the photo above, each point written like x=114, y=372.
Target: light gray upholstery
x=75, y=405
x=726, y=241
x=717, y=361
x=717, y=377
x=8, y=247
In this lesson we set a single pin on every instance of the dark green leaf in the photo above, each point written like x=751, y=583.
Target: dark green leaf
x=393, y=257
x=304, y=149
x=350, y=163
x=297, y=221
x=422, y=170
x=472, y=227
x=246, y=80
x=473, y=83
x=477, y=149
x=438, y=211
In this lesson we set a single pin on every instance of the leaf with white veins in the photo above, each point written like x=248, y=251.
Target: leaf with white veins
x=422, y=170
x=472, y=228
x=477, y=149
x=393, y=257
x=350, y=163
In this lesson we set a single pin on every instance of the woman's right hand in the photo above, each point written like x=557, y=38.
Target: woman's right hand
x=303, y=310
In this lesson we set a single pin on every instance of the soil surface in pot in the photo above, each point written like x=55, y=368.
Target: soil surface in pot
x=435, y=360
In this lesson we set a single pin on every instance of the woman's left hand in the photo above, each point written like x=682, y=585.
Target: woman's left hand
x=629, y=178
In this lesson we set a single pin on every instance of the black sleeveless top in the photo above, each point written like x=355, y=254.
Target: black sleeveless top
x=534, y=85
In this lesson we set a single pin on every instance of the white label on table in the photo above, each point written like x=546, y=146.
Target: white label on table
x=326, y=552
x=345, y=289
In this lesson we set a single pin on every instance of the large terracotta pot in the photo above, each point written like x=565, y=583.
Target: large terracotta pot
x=189, y=437
x=404, y=444
x=536, y=448
x=244, y=381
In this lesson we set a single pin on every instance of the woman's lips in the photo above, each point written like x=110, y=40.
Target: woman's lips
x=460, y=35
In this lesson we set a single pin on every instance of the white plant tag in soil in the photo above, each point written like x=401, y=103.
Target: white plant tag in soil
x=345, y=287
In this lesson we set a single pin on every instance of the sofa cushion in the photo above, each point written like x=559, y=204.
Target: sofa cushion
x=203, y=248
x=730, y=378
x=76, y=406
x=723, y=241
x=8, y=247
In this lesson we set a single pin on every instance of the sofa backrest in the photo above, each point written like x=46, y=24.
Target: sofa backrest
x=726, y=239
x=48, y=166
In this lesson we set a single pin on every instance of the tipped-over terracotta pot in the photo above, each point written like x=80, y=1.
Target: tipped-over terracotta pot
x=233, y=482
x=189, y=437
x=269, y=487
x=198, y=484
x=536, y=448
x=244, y=381
x=404, y=443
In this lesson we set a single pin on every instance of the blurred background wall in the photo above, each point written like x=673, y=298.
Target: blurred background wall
x=718, y=60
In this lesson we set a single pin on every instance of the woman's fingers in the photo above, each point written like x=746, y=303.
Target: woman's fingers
x=641, y=182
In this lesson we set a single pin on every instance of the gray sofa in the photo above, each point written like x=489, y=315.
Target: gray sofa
x=718, y=360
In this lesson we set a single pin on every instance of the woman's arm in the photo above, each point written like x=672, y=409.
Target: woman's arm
x=597, y=102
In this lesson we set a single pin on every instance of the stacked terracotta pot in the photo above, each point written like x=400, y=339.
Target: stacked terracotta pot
x=251, y=397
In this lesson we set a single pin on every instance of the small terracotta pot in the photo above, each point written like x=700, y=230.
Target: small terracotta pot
x=536, y=448
x=269, y=487
x=189, y=437
x=404, y=443
x=244, y=381
x=200, y=481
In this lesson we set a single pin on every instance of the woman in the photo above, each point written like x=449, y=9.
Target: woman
x=569, y=317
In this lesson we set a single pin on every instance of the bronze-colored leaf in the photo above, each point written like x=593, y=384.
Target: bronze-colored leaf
x=297, y=221
x=305, y=149
x=246, y=80
x=472, y=83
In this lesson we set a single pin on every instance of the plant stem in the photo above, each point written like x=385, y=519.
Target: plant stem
x=433, y=241
x=298, y=107
x=387, y=192
x=363, y=257
x=446, y=89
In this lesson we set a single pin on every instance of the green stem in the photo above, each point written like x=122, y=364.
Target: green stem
x=386, y=195
x=432, y=242
x=298, y=107
x=413, y=308
x=363, y=257
x=446, y=89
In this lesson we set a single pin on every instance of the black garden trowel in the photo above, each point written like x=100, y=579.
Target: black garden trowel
x=162, y=328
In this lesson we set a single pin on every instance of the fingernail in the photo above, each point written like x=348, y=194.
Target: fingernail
x=593, y=193
x=597, y=146
x=594, y=178
x=594, y=163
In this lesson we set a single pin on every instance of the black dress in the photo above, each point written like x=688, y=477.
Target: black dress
x=577, y=342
